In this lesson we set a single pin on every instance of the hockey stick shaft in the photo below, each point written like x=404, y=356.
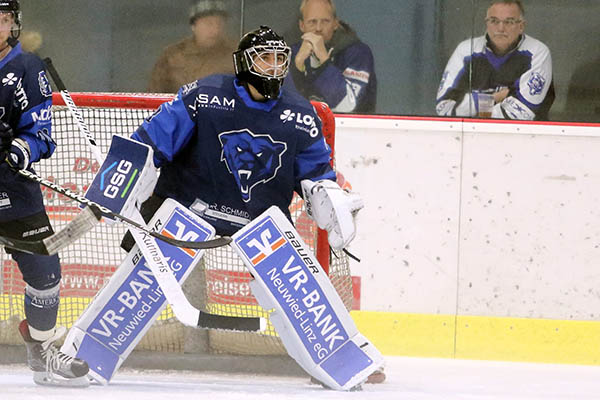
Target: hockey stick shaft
x=83, y=128
x=218, y=242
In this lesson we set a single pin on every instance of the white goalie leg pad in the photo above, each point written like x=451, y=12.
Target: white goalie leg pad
x=125, y=308
x=309, y=316
x=333, y=209
x=126, y=178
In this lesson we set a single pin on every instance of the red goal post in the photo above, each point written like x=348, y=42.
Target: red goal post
x=218, y=285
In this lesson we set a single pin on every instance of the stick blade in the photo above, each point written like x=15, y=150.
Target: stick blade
x=246, y=324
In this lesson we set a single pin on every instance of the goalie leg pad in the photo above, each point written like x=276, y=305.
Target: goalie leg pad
x=126, y=178
x=309, y=315
x=123, y=311
x=333, y=209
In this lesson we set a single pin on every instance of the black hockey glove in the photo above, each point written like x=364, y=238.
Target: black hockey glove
x=14, y=152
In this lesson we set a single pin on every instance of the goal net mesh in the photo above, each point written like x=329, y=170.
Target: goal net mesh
x=219, y=284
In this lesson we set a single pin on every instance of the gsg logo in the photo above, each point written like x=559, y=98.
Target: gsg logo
x=117, y=179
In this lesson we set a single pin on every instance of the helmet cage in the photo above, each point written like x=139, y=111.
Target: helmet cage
x=276, y=69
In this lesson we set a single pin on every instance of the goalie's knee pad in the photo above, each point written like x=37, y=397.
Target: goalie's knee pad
x=333, y=209
x=308, y=315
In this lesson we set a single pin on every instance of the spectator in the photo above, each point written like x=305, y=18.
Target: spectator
x=514, y=67
x=208, y=51
x=331, y=64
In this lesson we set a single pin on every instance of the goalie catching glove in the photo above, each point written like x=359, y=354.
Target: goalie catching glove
x=333, y=209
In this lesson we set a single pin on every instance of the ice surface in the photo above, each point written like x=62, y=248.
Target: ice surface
x=407, y=378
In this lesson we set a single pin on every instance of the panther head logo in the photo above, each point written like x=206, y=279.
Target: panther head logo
x=252, y=159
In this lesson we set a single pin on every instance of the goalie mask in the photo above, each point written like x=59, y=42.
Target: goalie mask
x=14, y=8
x=262, y=60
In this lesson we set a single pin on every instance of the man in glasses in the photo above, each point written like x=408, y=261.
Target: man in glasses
x=514, y=68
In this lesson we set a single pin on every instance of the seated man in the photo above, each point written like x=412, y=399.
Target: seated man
x=515, y=68
x=207, y=51
x=331, y=64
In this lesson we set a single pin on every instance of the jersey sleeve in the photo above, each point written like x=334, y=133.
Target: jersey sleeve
x=34, y=96
x=531, y=88
x=169, y=129
x=453, y=91
x=313, y=159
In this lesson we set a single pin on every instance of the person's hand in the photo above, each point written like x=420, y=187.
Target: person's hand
x=6, y=137
x=303, y=53
x=500, y=95
x=318, y=46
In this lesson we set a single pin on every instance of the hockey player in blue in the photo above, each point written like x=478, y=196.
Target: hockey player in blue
x=234, y=149
x=229, y=147
x=25, y=138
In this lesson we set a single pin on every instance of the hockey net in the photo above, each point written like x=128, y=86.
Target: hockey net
x=218, y=285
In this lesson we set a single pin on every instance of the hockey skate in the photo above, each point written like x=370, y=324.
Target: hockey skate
x=50, y=366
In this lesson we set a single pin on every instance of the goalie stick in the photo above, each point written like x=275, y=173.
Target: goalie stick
x=82, y=223
x=88, y=218
x=182, y=308
x=209, y=244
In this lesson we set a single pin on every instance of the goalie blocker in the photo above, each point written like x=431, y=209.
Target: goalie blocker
x=308, y=315
x=126, y=178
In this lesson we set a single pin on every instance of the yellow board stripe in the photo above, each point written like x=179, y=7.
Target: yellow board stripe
x=432, y=335
x=482, y=338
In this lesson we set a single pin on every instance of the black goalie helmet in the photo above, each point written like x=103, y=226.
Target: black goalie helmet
x=13, y=7
x=262, y=60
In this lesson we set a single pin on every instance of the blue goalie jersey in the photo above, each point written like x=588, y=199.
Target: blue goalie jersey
x=228, y=157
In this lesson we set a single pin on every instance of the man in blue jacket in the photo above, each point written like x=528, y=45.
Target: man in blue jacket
x=331, y=64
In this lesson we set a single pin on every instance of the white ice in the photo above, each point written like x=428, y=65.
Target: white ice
x=407, y=378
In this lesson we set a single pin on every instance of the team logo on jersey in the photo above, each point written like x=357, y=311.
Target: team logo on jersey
x=45, y=88
x=251, y=159
x=303, y=122
x=9, y=80
x=536, y=83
